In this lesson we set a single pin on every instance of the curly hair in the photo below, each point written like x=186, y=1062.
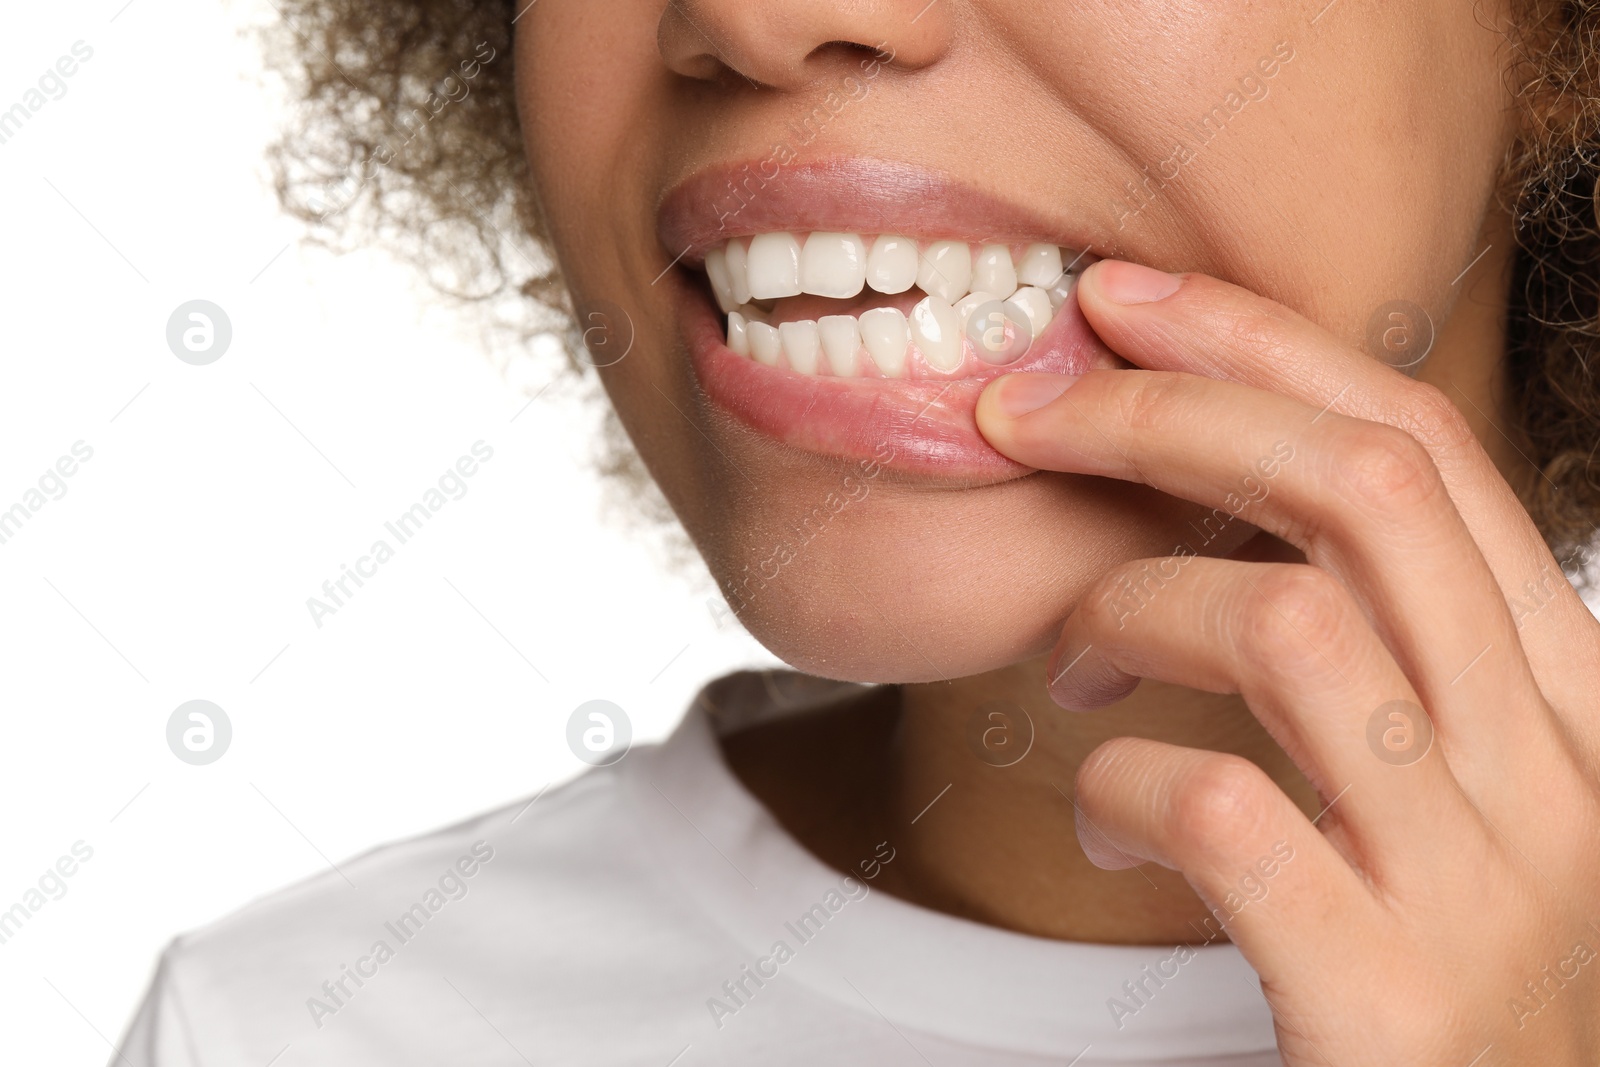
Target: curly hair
x=409, y=135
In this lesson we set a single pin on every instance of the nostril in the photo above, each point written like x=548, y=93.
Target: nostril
x=784, y=44
x=851, y=49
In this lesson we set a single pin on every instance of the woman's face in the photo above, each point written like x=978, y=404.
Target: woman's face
x=1332, y=158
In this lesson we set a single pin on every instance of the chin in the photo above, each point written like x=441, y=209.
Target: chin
x=892, y=582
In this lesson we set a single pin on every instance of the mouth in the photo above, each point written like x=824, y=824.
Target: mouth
x=857, y=309
x=888, y=305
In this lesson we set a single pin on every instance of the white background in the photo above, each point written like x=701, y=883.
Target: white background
x=219, y=498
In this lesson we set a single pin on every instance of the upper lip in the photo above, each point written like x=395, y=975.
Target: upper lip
x=844, y=195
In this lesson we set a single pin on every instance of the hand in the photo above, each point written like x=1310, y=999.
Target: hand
x=1445, y=909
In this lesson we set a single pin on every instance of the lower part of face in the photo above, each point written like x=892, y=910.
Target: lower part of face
x=1330, y=159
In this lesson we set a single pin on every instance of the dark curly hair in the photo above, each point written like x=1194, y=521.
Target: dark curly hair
x=409, y=135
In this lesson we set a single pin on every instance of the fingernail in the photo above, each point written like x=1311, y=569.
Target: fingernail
x=1131, y=283
x=1022, y=393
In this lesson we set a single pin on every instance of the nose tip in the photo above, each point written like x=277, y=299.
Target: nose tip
x=790, y=44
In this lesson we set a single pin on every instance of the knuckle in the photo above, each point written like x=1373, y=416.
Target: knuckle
x=1383, y=467
x=1220, y=800
x=1124, y=592
x=1300, y=611
x=1260, y=330
x=1148, y=400
x=1433, y=419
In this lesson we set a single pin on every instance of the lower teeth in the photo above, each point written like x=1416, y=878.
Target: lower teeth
x=988, y=331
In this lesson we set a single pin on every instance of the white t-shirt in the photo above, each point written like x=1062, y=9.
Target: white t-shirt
x=653, y=913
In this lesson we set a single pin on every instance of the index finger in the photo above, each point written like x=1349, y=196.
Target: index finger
x=1204, y=326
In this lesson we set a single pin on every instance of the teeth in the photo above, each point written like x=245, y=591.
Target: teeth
x=764, y=343
x=937, y=333
x=774, y=266
x=1034, y=303
x=738, y=261
x=945, y=270
x=841, y=338
x=801, y=345
x=991, y=340
x=749, y=275
x=721, y=281
x=833, y=265
x=839, y=266
x=970, y=303
x=892, y=265
x=1040, y=266
x=1060, y=290
x=886, y=335
x=993, y=271
x=738, y=334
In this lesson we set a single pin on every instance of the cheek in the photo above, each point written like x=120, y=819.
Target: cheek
x=589, y=94
x=583, y=88
x=1331, y=167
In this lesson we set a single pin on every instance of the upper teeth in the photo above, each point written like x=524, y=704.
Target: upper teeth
x=957, y=277
x=771, y=266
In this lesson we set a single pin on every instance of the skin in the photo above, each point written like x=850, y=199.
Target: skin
x=1387, y=558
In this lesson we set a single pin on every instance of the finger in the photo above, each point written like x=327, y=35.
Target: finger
x=1266, y=876
x=1222, y=331
x=1292, y=642
x=1361, y=500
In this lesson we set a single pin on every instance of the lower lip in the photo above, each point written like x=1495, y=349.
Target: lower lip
x=926, y=428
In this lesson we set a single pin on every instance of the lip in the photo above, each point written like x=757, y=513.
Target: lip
x=925, y=428
x=844, y=195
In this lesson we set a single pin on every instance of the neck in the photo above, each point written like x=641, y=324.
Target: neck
x=999, y=845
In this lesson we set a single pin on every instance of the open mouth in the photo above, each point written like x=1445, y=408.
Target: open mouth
x=856, y=308
x=888, y=306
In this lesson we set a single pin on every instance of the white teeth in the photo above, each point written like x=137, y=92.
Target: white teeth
x=774, y=266
x=993, y=271
x=738, y=334
x=991, y=341
x=800, y=345
x=1060, y=290
x=721, y=282
x=970, y=303
x=833, y=265
x=748, y=275
x=886, y=335
x=1040, y=265
x=738, y=260
x=1034, y=303
x=841, y=338
x=945, y=270
x=764, y=343
x=892, y=264
x=937, y=333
